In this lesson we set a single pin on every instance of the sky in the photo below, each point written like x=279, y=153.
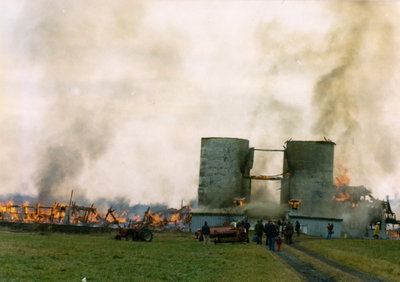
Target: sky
x=111, y=99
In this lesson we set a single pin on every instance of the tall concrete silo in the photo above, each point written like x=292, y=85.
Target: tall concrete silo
x=308, y=175
x=224, y=171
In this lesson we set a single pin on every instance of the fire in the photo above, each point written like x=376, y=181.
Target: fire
x=393, y=233
x=60, y=213
x=56, y=214
x=172, y=217
x=343, y=178
x=342, y=182
x=294, y=204
x=239, y=201
x=342, y=196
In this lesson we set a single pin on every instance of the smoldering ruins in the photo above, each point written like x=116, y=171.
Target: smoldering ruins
x=308, y=193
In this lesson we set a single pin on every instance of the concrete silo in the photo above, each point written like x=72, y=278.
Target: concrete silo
x=224, y=171
x=308, y=175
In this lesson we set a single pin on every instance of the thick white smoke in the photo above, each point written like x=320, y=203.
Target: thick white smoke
x=112, y=99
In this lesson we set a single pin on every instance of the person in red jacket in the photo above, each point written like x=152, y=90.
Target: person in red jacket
x=278, y=243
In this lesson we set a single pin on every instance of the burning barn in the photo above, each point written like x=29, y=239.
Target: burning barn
x=308, y=178
x=308, y=190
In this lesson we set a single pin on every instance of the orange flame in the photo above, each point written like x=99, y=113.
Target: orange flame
x=161, y=220
x=239, y=202
x=342, y=180
x=55, y=214
x=74, y=214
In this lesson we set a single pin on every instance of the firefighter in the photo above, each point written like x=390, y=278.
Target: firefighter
x=377, y=230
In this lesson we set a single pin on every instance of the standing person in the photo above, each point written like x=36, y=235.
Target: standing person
x=297, y=228
x=271, y=233
x=259, y=231
x=377, y=231
x=289, y=232
x=330, y=231
x=247, y=227
x=279, y=226
x=285, y=239
x=267, y=231
x=278, y=243
x=205, y=231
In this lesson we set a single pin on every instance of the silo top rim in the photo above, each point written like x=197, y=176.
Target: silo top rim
x=319, y=141
x=224, y=138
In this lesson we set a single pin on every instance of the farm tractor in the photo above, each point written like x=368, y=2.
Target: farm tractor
x=137, y=231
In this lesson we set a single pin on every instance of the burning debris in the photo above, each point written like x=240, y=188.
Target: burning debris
x=57, y=214
x=169, y=219
x=73, y=214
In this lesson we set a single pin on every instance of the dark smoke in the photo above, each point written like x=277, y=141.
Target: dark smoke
x=95, y=63
x=351, y=93
x=59, y=164
x=126, y=90
x=335, y=95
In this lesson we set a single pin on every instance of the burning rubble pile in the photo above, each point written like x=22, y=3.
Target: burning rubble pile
x=167, y=219
x=358, y=199
x=73, y=214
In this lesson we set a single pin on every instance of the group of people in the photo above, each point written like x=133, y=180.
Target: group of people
x=274, y=232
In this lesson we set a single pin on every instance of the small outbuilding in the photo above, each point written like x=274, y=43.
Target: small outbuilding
x=217, y=218
x=316, y=226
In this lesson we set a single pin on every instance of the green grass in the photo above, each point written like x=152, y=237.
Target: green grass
x=170, y=257
x=376, y=257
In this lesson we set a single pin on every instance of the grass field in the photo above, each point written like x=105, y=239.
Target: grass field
x=380, y=258
x=171, y=256
x=174, y=256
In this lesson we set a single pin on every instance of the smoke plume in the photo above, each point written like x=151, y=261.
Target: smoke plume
x=112, y=100
x=348, y=99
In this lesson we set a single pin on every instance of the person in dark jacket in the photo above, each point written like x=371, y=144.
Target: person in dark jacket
x=259, y=228
x=279, y=226
x=289, y=232
x=284, y=223
x=297, y=228
x=247, y=227
x=330, y=231
x=205, y=231
x=271, y=232
x=267, y=231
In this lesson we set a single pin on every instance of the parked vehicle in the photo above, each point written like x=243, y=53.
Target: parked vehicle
x=141, y=233
x=225, y=234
